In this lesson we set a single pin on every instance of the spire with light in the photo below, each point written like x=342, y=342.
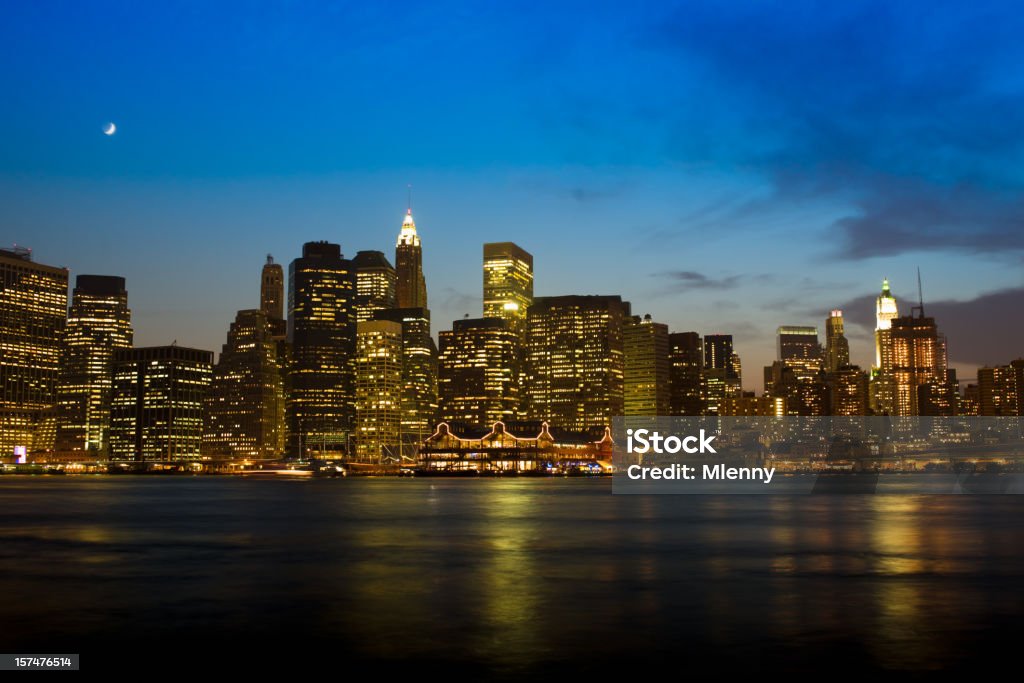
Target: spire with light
x=408, y=234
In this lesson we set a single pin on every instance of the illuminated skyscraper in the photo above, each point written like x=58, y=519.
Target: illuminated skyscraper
x=1000, y=389
x=272, y=290
x=848, y=391
x=320, y=406
x=799, y=349
x=245, y=403
x=379, y=390
x=477, y=372
x=376, y=284
x=883, y=387
x=412, y=287
x=419, y=372
x=646, y=375
x=918, y=358
x=719, y=378
x=157, y=403
x=33, y=308
x=575, y=363
x=837, y=348
x=686, y=364
x=508, y=284
x=98, y=324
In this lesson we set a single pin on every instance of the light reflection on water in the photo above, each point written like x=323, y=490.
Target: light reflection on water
x=509, y=574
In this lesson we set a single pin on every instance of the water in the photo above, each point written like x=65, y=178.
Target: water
x=514, y=577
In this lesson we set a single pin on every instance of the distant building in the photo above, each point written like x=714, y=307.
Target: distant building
x=99, y=323
x=718, y=352
x=646, y=377
x=157, y=404
x=33, y=309
x=686, y=364
x=799, y=349
x=719, y=379
x=379, y=390
x=837, y=348
x=918, y=358
x=575, y=360
x=807, y=396
x=272, y=290
x=848, y=391
x=412, y=286
x=748, y=405
x=419, y=371
x=508, y=284
x=376, y=284
x=478, y=371
x=999, y=389
x=245, y=406
x=320, y=407
x=883, y=382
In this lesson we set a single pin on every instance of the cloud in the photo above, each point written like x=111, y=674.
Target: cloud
x=913, y=130
x=970, y=326
x=686, y=280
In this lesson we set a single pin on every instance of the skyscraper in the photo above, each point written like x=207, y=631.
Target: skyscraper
x=245, y=403
x=883, y=387
x=320, y=406
x=272, y=290
x=918, y=358
x=508, y=284
x=98, y=324
x=33, y=308
x=646, y=375
x=719, y=378
x=848, y=391
x=378, y=390
x=1000, y=389
x=376, y=284
x=575, y=364
x=837, y=348
x=478, y=371
x=412, y=287
x=157, y=403
x=686, y=364
x=419, y=371
x=799, y=349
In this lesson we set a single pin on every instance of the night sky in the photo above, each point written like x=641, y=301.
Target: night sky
x=727, y=167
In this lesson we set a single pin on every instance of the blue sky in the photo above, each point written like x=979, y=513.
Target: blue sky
x=727, y=167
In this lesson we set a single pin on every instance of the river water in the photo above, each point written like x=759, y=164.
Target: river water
x=540, y=577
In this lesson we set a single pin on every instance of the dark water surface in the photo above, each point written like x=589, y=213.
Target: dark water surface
x=515, y=577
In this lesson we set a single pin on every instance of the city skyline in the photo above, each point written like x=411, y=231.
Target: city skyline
x=731, y=180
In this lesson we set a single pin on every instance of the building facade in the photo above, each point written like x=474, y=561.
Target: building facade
x=157, y=405
x=99, y=323
x=419, y=372
x=837, y=348
x=646, y=374
x=33, y=309
x=245, y=416
x=575, y=360
x=376, y=284
x=918, y=358
x=686, y=366
x=508, y=284
x=478, y=371
x=411, y=285
x=379, y=390
x=320, y=406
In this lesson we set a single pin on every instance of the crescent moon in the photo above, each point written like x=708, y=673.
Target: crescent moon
x=109, y=129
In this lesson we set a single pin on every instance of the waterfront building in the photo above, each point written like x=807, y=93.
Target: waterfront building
x=379, y=390
x=478, y=371
x=646, y=376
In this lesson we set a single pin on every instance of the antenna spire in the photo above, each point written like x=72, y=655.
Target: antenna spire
x=920, y=293
x=408, y=198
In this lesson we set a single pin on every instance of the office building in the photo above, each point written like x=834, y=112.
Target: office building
x=999, y=389
x=419, y=372
x=157, y=403
x=245, y=409
x=33, y=308
x=99, y=323
x=575, y=360
x=376, y=284
x=320, y=407
x=379, y=391
x=272, y=290
x=686, y=365
x=799, y=349
x=508, y=284
x=837, y=348
x=848, y=391
x=918, y=358
x=883, y=382
x=646, y=376
x=478, y=371
x=412, y=286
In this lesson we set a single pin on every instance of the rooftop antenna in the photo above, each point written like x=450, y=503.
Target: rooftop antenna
x=270, y=259
x=920, y=295
x=408, y=199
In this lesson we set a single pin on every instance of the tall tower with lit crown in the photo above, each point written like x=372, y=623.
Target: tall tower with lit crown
x=412, y=287
x=882, y=384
